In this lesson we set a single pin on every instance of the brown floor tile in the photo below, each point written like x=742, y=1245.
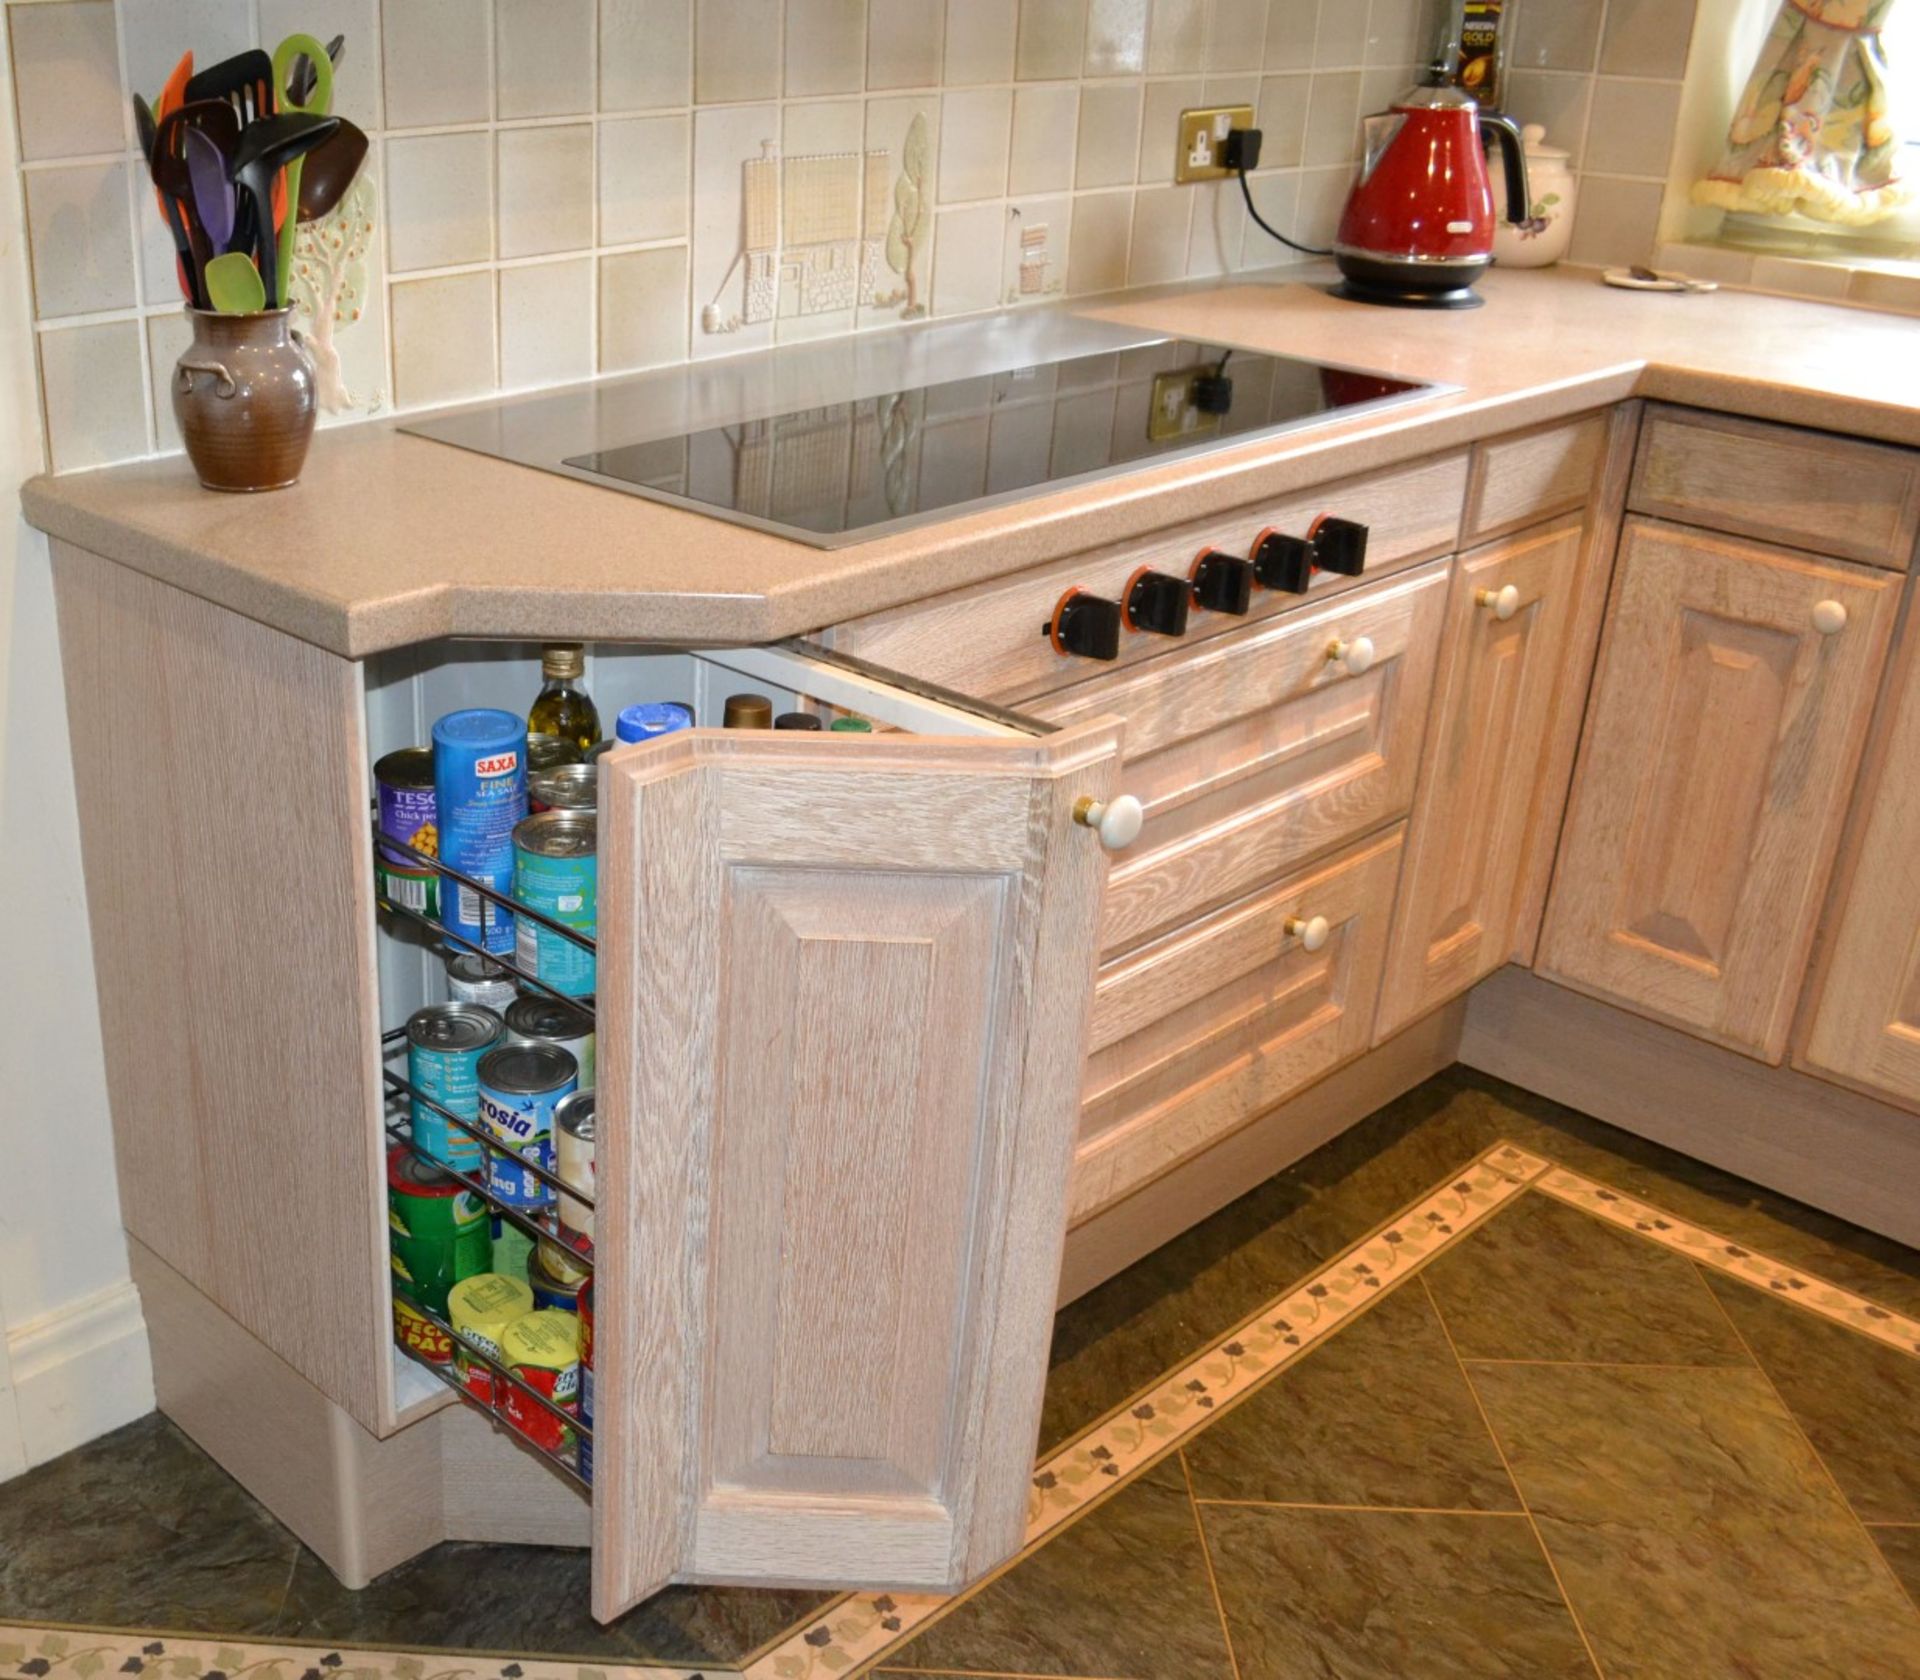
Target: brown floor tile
x=1122, y=1593
x=1859, y=1401
x=1695, y=1533
x=1389, y=1595
x=1379, y=1414
x=1900, y=1546
x=1541, y=1280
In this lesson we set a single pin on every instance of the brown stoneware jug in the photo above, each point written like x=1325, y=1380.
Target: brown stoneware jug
x=244, y=396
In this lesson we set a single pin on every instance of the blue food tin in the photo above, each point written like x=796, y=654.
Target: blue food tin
x=520, y=1087
x=480, y=789
x=652, y=719
x=445, y=1042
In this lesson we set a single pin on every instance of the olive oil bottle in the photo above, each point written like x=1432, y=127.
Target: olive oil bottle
x=563, y=707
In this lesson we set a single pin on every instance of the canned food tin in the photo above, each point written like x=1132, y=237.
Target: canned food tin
x=543, y=1351
x=403, y=784
x=569, y=787
x=520, y=1086
x=547, y=1276
x=543, y=1020
x=480, y=783
x=436, y=1230
x=586, y=1381
x=418, y=1334
x=472, y=979
x=512, y=1248
x=556, y=873
x=549, y=752
x=573, y=1150
x=445, y=1042
x=480, y=1308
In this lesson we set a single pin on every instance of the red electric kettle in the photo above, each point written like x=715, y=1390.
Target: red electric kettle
x=1418, y=227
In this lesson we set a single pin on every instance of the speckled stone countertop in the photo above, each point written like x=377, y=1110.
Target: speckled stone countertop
x=390, y=539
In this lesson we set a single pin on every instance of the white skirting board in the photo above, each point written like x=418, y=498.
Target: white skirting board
x=77, y=1373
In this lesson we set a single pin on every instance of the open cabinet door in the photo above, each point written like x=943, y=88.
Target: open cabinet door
x=844, y=993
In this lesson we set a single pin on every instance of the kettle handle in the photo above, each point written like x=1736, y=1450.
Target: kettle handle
x=1513, y=156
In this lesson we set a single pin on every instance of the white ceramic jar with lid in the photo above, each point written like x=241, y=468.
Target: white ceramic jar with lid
x=1542, y=238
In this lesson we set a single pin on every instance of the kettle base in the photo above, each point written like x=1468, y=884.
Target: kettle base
x=1406, y=297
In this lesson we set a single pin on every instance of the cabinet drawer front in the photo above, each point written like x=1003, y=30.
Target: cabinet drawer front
x=1530, y=476
x=1256, y=751
x=990, y=640
x=1208, y=1028
x=1811, y=490
x=1720, y=745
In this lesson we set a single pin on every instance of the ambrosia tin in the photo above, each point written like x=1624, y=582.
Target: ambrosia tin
x=520, y=1086
x=543, y=1351
x=586, y=1381
x=548, y=1276
x=403, y=781
x=437, y=1235
x=445, y=1042
x=473, y=979
x=566, y=787
x=573, y=1150
x=543, y=1020
x=479, y=780
x=480, y=1308
x=554, y=872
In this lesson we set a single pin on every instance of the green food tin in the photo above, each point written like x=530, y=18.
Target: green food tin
x=437, y=1230
x=554, y=872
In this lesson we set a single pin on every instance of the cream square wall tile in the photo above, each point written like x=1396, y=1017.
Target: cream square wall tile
x=646, y=54
x=356, y=78
x=1108, y=149
x=1045, y=118
x=1102, y=226
x=824, y=177
x=1291, y=26
x=1039, y=241
x=1615, y=221
x=1231, y=90
x=1237, y=43
x=546, y=190
x=1116, y=37
x=1160, y=125
x=1631, y=132
x=1277, y=198
x=1557, y=101
x=1323, y=195
x=1176, y=36
x=1158, y=250
x=1052, y=41
x=1340, y=36
x=1281, y=113
x=966, y=262
x=96, y=402
x=156, y=32
x=1333, y=118
x=826, y=46
x=736, y=50
x=904, y=39
x=733, y=286
x=544, y=57
x=437, y=62
x=546, y=323
x=168, y=337
x=980, y=36
x=643, y=309
x=443, y=331
x=643, y=179
x=1646, y=38
x=1218, y=232
x=1398, y=33
x=827, y=127
x=81, y=237
x=439, y=200
x=973, y=144
x=907, y=131
x=66, y=78
x=1556, y=35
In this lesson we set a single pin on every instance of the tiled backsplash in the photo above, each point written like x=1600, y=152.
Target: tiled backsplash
x=565, y=187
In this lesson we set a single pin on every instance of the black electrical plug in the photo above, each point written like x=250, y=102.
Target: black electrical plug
x=1241, y=149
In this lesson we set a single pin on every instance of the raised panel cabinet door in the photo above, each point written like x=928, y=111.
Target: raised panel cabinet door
x=845, y=987
x=1508, y=608
x=1865, y=1026
x=1733, y=693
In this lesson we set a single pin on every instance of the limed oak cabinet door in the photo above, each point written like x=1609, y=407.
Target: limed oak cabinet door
x=1732, y=695
x=1508, y=608
x=843, y=1018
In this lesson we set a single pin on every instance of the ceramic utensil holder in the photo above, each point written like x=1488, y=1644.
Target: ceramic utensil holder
x=245, y=399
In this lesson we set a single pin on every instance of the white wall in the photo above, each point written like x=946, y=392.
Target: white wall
x=73, y=1352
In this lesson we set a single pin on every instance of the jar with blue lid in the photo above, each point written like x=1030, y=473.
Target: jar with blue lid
x=651, y=719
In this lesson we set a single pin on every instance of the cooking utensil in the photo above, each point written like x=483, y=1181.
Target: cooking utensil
x=330, y=170
x=267, y=145
x=174, y=94
x=245, y=82
x=301, y=86
x=292, y=52
x=144, y=125
x=173, y=179
x=234, y=286
x=212, y=191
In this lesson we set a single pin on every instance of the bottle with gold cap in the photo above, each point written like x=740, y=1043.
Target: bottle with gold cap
x=563, y=707
x=748, y=711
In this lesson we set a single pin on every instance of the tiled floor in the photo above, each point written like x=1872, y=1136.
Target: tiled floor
x=1545, y=1439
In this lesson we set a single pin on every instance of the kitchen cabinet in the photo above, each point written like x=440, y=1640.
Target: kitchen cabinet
x=1729, y=705
x=1509, y=605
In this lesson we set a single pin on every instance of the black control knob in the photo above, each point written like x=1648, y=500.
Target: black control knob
x=1283, y=562
x=1339, y=545
x=1157, y=602
x=1084, y=624
x=1222, y=583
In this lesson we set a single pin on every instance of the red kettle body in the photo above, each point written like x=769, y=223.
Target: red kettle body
x=1418, y=227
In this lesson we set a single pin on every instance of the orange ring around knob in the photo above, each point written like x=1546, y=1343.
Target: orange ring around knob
x=1199, y=560
x=1126, y=600
x=1053, y=624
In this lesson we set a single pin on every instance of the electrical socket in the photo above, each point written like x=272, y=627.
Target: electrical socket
x=1203, y=131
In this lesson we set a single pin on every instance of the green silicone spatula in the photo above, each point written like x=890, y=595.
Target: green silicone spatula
x=234, y=286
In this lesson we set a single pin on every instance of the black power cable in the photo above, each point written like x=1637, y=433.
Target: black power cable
x=1266, y=227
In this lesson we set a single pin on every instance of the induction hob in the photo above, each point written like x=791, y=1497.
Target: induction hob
x=839, y=472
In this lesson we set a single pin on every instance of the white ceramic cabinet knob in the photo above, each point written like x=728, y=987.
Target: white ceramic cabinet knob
x=1503, y=603
x=1117, y=822
x=1311, y=931
x=1354, y=657
x=1829, y=617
